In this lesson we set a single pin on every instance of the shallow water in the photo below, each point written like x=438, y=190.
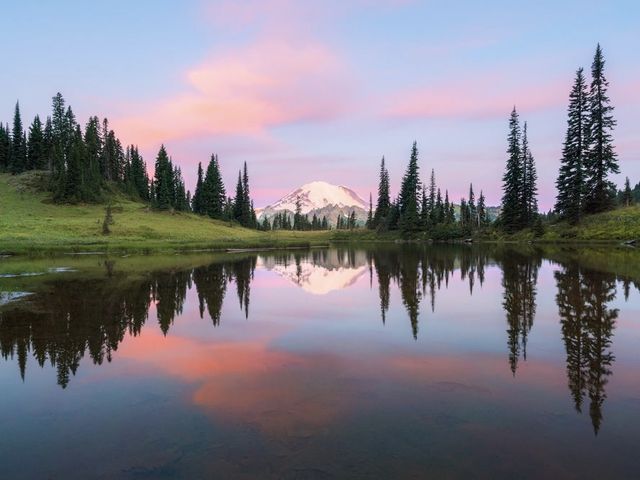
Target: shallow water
x=395, y=362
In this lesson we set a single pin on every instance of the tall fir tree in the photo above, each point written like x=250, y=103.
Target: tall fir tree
x=473, y=211
x=511, y=216
x=163, y=182
x=601, y=159
x=213, y=193
x=239, y=199
x=483, y=219
x=529, y=202
x=18, y=159
x=409, y=220
x=369, y=223
x=36, y=155
x=384, y=202
x=432, y=198
x=196, y=204
x=571, y=178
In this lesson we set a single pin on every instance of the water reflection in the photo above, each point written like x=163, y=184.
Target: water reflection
x=587, y=328
x=69, y=319
x=519, y=279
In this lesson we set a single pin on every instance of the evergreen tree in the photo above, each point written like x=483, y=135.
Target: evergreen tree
x=163, y=183
x=91, y=163
x=297, y=216
x=369, y=223
x=5, y=147
x=529, y=202
x=212, y=192
x=72, y=191
x=601, y=159
x=431, y=204
x=438, y=209
x=483, y=219
x=197, y=196
x=571, y=178
x=48, y=144
x=425, y=211
x=18, y=159
x=473, y=211
x=384, y=203
x=409, y=220
x=627, y=196
x=239, y=199
x=511, y=216
x=36, y=155
x=446, y=207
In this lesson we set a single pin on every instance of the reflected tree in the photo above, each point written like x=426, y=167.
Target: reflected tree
x=519, y=278
x=587, y=328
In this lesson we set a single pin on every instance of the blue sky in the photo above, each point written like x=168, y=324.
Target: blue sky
x=320, y=90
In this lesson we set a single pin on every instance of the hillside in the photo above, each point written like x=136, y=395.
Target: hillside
x=29, y=221
x=618, y=224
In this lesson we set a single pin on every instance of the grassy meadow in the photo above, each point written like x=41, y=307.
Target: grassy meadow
x=30, y=222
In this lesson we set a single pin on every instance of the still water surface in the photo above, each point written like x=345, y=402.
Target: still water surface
x=395, y=362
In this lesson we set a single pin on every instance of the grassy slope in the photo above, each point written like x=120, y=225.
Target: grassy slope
x=29, y=222
x=618, y=224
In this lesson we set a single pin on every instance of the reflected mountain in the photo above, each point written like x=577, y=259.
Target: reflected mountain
x=319, y=272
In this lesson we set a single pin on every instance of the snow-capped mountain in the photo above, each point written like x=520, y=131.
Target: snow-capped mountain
x=321, y=199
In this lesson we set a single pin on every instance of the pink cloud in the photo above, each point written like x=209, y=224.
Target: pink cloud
x=475, y=98
x=245, y=92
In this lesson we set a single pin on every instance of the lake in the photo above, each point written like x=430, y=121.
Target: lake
x=389, y=362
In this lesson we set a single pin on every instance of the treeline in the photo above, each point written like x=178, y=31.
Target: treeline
x=86, y=164
x=299, y=221
x=420, y=209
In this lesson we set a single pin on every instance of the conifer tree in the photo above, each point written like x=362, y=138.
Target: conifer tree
x=213, y=193
x=35, y=148
x=511, y=215
x=297, y=216
x=571, y=178
x=446, y=207
x=197, y=195
x=528, y=203
x=425, y=211
x=409, y=220
x=482, y=211
x=384, y=203
x=473, y=212
x=5, y=147
x=627, y=196
x=431, y=214
x=18, y=159
x=438, y=209
x=163, y=182
x=238, y=200
x=369, y=223
x=601, y=159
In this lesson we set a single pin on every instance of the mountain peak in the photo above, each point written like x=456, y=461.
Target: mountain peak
x=321, y=198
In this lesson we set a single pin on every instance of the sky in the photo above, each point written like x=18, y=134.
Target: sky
x=321, y=90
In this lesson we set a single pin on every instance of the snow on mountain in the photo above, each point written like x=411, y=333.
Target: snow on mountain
x=320, y=198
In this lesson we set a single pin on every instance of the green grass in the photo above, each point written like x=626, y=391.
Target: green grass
x=30, y=222
x=618, y=224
